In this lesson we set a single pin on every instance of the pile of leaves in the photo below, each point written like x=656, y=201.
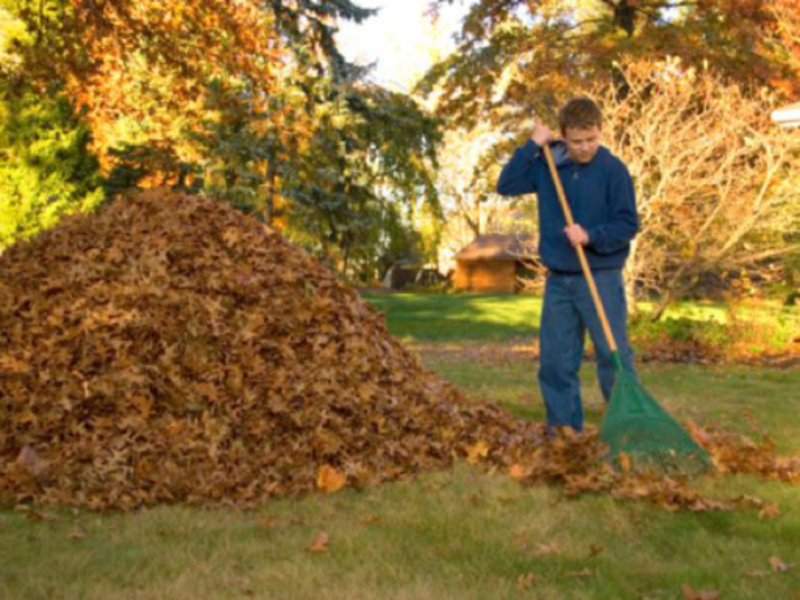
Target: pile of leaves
x=169, y=348
x=172, y=349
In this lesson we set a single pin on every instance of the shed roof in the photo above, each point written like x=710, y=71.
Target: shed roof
x=497, y=247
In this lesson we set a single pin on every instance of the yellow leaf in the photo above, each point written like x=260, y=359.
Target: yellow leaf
x=477, y=451
x=330, y=480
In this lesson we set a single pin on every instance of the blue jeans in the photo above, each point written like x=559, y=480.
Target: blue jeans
x=568, y=312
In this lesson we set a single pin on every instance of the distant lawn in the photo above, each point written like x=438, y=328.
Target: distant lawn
x=451, y=317
x=496, y=318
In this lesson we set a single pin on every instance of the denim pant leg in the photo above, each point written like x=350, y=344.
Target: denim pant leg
x=611, y=287
x=561, y=349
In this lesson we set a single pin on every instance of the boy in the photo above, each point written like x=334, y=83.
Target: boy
x=600, y=193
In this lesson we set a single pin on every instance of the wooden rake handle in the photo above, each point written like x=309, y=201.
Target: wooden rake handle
x=587, y=272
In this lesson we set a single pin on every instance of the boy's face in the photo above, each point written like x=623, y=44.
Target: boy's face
x=582, y=143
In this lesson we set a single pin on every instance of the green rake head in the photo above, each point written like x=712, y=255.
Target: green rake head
x=636, y=426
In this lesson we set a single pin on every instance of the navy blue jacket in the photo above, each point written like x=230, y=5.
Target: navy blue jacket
x=599, y=193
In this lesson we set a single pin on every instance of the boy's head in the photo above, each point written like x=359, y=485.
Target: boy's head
x=581, y=123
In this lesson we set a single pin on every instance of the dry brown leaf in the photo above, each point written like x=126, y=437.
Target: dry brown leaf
x=330, y=480
x=527, y=581
x=581, y=573
x=76, y=533
x=770, y=511
x=477, y=451
x=545, y=549
x=320, y=543
x=778, y=565
x=517, y=471
x=594, y=549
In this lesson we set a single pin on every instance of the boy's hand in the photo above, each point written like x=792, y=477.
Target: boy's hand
x=577, y=235
x=541, y=134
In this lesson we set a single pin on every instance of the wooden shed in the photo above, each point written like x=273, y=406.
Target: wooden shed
x=491, y=263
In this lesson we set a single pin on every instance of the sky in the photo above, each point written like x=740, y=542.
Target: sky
x=401, y=39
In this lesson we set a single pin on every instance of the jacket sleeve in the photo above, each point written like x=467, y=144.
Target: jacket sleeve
x=623, y=222
x=516, y=178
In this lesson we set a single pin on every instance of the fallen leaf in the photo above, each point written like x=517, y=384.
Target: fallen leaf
x=594, y=549
x=778, y=565
x=517, y=472
x=581, y=573
x=770, y=511
x=76, y=534
x=320, y=543
x=624, y=462
x=689, y=593
x=268, y=522
x=759, y=574
x=544, y=549
x=526, y=581
x=369, y=519
x=330, y=480
x=477, y=451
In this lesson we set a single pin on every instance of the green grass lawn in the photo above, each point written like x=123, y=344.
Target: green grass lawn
x=462, y=533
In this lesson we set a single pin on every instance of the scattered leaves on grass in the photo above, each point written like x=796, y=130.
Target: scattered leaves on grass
x=76, y=533
x=320, y=543
x=369, y=519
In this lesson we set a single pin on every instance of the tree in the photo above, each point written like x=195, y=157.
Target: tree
x=372, y=151
x=518, y=57
x=250, y=101
x=713, y=175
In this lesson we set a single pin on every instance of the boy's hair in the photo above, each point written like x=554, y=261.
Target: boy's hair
x=580, y=113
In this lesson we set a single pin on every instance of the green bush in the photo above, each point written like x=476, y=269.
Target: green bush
x=46, y=168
